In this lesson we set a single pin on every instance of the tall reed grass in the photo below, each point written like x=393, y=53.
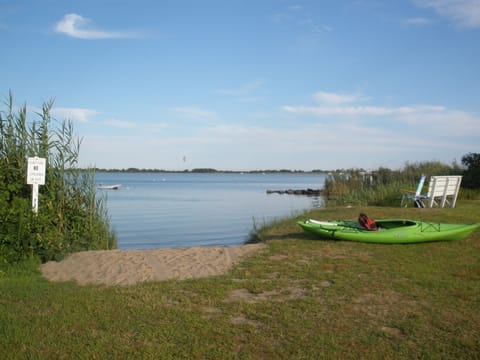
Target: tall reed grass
x=70, y=216
x=382, y=187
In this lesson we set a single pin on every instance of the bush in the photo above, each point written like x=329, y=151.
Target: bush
x=382, y=187
x=471, y=176
x=70, y=217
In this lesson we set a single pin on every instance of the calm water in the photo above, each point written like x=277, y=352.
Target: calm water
x=184, y=209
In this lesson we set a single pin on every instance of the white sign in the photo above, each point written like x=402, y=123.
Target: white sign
x=36, y=171
x=35, y=177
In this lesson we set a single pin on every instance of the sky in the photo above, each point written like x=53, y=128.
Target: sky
x=250, y=84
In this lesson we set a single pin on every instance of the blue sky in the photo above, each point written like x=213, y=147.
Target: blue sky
x=245, y=85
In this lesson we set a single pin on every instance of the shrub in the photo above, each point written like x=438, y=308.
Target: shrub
x=382, y=187
x=70, y=217
x=471, y=176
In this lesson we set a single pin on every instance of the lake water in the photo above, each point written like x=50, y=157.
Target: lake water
x=156, y=210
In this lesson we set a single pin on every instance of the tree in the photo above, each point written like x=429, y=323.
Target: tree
x=471, y=176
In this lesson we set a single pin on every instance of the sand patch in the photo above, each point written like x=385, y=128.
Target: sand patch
x=128, y=267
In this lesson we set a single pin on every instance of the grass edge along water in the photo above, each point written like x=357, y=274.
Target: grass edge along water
x=301, y=298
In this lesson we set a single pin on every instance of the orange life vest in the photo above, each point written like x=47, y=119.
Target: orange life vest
x=367, y=223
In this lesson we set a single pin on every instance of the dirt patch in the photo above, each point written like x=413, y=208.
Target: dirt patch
x=240, y=320
x=393, y=332
x=289, y=293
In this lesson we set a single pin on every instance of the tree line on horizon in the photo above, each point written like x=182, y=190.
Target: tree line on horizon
x=202, y=171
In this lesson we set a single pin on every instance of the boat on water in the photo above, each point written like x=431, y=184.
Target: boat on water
x=109, y=187
x=390, y=231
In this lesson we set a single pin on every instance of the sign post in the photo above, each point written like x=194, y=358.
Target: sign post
x=35, y=177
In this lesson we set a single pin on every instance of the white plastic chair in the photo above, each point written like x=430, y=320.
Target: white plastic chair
x=443, y=190
x=416, y=197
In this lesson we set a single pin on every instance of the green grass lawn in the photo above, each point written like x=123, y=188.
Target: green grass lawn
x=301, y=298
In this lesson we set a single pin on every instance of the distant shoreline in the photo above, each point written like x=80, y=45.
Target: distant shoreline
x=207, y=171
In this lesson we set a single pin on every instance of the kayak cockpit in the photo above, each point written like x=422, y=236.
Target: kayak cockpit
x=381, y=224
x=395, y=224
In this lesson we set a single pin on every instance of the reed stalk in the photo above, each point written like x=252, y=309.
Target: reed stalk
x=70, y=217
x=382, y=187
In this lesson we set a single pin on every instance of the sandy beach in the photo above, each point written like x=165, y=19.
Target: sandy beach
x=128, y=267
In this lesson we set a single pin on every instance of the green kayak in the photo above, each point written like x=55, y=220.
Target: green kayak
x=395, y=231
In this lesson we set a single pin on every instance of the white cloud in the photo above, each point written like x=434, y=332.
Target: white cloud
x=77, y=26
x=444, y=121
x=429, y=119
x=464, y=13
x=77, y=114
x=349, y=110
x=307, y=146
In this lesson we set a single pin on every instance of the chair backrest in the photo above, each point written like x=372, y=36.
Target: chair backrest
x=443, y=186
x=418, y=192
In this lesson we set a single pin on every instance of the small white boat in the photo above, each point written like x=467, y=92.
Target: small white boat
x=109, y=187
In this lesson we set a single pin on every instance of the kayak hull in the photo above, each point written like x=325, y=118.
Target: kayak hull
x=394, y=231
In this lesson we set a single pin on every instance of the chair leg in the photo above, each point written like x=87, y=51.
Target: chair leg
x=419, y=204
